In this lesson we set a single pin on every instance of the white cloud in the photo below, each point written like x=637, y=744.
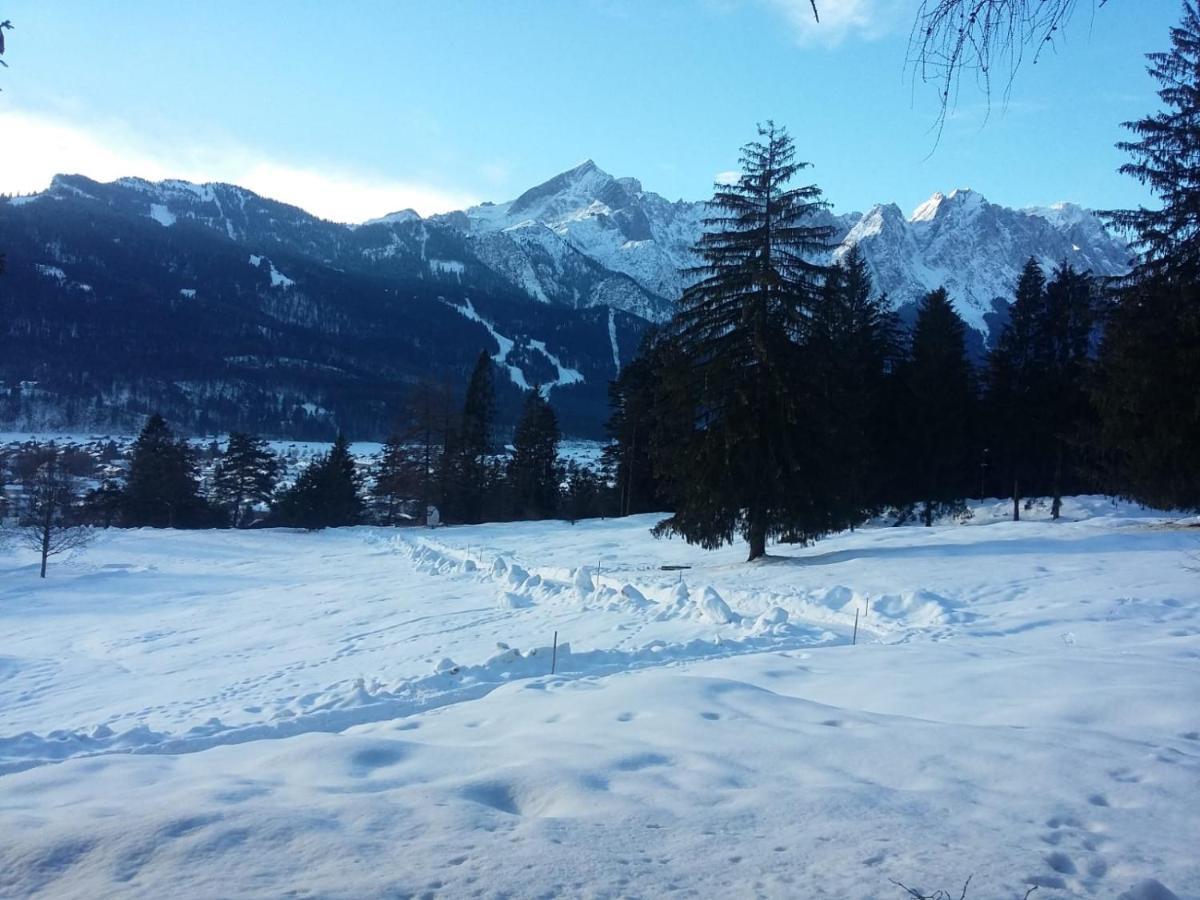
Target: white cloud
x=36, y=147
x=841, y=19
x=733, y=176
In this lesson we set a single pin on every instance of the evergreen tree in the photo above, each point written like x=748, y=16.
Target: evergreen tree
x=584, y=498
x=475, y=443
x=102, y=504
x=632, y=424
x=740, y=467
x=1166, y=158
x=1067, y=325
x=851, y=346
x=941, y=395
x=1016, y=377
x=1147, y=402
x=394, y=480
x=533, y=473
x=326, y=495
x=427, y=409
x=245, y=476
x=162, y=490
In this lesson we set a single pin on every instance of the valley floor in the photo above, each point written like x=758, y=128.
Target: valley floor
x=371, y=713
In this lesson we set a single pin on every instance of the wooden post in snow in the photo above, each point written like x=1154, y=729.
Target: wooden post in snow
x=554, y=655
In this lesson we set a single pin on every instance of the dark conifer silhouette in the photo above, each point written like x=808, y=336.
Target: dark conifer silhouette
x=1149, y=416
x=939, y=379
x=162, y=490
x=474, y=440
x=244, y=477
x=327, y=493
x=740, y=467
x=533, y=475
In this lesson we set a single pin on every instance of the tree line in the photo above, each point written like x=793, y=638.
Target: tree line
x=784, y=401
x=442, y=460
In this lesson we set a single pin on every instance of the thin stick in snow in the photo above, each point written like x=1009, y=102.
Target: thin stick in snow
x=854, y=640
x=554, y=655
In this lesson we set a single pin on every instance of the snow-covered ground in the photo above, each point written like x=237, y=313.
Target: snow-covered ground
x=368, y=712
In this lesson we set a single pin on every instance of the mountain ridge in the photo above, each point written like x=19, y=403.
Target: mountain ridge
x=586, y=238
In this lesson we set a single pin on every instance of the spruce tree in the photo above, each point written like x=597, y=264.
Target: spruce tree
x=632, y=425
x=245, y=476
x=585, y=494
x=741, y=466
x=1016, y=377
x=427, y=412
x=1147, y=402
x=851, y=347
x=162, y=490
x=394, y=480
x=939, y=379
x=533, y=472
x=475, y=443
x=326, y=495
x=1067, y=325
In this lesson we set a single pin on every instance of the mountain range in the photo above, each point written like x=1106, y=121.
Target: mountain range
x=225, y=309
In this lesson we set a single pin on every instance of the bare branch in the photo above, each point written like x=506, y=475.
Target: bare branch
x=987, y=38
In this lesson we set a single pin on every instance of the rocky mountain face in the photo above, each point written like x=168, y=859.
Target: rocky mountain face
x=294, y=316
x=975, y=249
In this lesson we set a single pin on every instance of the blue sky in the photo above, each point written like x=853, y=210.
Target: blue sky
x=355, y=109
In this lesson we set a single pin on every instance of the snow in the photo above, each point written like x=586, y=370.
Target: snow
x=51, y=272
x=274, y=712
x=278, y=279
x=612, y=339
x=929, y=209
x=447, y=267
x=399, y=218
x=189, y=293
x=160, y=214
x=566, y=374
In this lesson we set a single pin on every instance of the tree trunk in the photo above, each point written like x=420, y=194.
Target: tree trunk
x=927, y=515
x=1056, y=505
x=1016, y=501
x=757, y=537
x=45, y=547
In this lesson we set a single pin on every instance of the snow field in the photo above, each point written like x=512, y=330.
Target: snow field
x=369, y=712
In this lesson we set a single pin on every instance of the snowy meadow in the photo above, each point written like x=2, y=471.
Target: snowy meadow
x=370, y=712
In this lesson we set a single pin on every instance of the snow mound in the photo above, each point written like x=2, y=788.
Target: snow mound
x=714, y=609
x=512, y=600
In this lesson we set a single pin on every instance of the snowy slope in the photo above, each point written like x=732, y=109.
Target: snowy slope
x=366, y=713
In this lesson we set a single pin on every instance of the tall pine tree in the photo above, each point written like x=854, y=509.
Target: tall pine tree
x=474, y=444
x=533, y=471
x=851, y=347
x=1148, y=403
x=327, y=493
x=941, y=397
x=741, y=468
x=633, y=399
x=162, y=490
x=245, y=476
x=394, y=480
x=1016, y=378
